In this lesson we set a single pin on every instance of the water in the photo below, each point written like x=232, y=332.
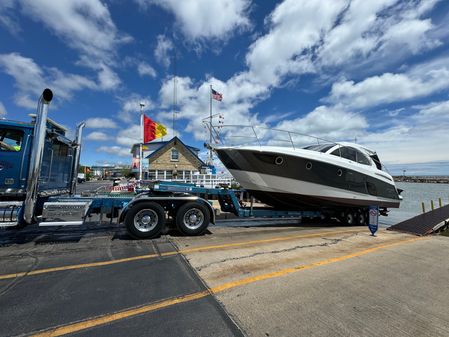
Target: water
x=414, y=194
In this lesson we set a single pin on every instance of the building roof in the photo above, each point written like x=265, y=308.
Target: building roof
x=163, y=143
x=171, y=141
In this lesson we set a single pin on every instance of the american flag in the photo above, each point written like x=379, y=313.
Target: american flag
x=216, y=95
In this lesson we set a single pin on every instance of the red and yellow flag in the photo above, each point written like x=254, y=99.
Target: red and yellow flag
x=152, y=130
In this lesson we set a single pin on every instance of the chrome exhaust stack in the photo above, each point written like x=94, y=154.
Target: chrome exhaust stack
x=76, y=157
x=37, y=152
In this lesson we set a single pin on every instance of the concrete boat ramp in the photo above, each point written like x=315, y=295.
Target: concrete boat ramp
x=277, y=280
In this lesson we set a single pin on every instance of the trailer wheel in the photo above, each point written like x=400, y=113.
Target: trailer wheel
x=145, y=221
x=350, y=218
x=361, y=218
x=192, y=218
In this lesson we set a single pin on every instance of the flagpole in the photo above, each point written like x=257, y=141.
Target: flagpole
x=141, y=140
x=210, y=125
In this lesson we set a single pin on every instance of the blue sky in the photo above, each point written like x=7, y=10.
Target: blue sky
x=375, y=70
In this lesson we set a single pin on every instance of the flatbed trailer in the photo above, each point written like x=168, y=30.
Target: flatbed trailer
x=146, y=214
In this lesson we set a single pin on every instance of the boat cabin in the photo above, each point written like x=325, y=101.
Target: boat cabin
x=348, y=151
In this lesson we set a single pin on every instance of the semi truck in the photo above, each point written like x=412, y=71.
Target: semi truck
x=38, y=176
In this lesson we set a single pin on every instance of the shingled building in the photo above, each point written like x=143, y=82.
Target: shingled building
x=168, y=160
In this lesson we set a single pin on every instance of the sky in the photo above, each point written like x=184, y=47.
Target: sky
x=371, y=71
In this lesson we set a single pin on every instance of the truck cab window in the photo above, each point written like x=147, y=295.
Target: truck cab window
x=11, y=140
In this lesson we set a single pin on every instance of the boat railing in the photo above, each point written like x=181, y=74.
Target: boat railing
x=235, y=135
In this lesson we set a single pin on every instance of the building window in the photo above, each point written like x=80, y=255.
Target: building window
x=168, y=175
x=174, y=155
x=152, y=174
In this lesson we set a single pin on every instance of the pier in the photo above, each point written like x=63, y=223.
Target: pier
x=422, y=179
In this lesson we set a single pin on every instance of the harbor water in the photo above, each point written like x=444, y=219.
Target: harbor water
x=414, y=194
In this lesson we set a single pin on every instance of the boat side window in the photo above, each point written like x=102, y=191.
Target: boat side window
x=362, y=159
x=346, y=152
x=320, y=147
x=11, y=140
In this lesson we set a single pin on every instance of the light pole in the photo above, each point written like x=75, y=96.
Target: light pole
x=142, y=105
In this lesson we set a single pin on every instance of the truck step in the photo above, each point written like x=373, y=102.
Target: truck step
x=60, y=223
x=8, y=224
x=64, y=213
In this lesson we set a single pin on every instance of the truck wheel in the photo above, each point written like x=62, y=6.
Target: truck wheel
x=192, y=218
x=145, y=221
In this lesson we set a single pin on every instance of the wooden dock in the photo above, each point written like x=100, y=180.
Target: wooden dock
x=426, y=223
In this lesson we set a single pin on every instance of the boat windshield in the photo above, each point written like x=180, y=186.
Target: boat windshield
x=320, y=147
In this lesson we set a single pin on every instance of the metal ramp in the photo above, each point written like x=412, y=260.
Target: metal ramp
x=423, y=224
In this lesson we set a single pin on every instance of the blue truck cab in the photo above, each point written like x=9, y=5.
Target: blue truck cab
x=37, y=162
x=16, y=140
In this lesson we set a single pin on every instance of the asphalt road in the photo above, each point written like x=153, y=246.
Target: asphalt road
x=92, y=186
x=101, y=272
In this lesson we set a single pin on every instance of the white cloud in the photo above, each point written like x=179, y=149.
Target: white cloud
x=7, y=19
x=422, y=80
x=31, y=80
x=115, y=150
x=201, y=19
x=100, y=123
x=333, y=123
x=295, y=27
x=130, y=111
x=108, y=79
x=433, y=112
x=339, y=37
x=144, y=69
x=97, y=135
x=129, y=135
x=85, y=25
x=163, y=48
x=3, y=111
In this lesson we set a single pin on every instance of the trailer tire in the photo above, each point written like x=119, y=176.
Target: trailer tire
x=361, y=218
x=192, y=218
x=350, y=218
x=145, y=220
